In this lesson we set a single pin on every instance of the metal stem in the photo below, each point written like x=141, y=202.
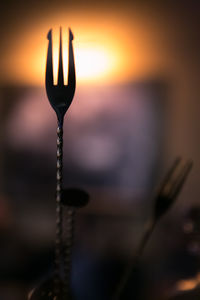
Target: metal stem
x=68, y=252
x=58, y=239
x=129, y=268
x=68, y=240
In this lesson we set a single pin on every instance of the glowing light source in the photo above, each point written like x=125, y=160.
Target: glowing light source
x=106, y=52
x=92, y=61
x=189, y=284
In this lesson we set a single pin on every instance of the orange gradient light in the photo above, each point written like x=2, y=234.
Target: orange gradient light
x=106, y=51
x=93, y=62
x=189, y=284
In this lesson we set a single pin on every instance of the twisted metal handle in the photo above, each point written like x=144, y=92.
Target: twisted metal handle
x=58, y=239
x=68, y=239
x=68, y=244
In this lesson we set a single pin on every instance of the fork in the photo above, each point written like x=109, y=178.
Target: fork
x=165, y=197
x=60, y=97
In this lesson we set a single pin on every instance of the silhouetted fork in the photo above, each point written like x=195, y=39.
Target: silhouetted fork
x=165, y=197
x=60, y=97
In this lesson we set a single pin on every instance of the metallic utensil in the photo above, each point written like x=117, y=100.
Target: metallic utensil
x=60, y=97
x=165, y=197
x=71, y=197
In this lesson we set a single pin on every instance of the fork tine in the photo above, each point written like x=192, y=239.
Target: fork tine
x=60, y=96
x=71, y=64
x=60, y=67
x=49, y=63
x=181, y=178
x=171, y=171
x=171, y=187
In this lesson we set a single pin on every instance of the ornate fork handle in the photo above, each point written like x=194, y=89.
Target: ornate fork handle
x=58, y=239
x=60, y=97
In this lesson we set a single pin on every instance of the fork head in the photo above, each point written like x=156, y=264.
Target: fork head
x=60, y=96
x=171, y=186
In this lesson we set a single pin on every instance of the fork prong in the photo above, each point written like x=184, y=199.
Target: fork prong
x=71, y=65
x=60, y=66
x=60, y=96
x=180, y=178
x=171, y=171
x=49, y=63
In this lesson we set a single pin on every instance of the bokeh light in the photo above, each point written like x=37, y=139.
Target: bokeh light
x=115, y=50
x=93, y=61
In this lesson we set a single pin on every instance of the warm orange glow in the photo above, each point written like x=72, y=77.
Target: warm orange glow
x=108, y=49
x=189, y=284
x=93, y=62
x=55, y=55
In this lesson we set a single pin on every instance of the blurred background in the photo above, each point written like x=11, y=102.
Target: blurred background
x=135, y=109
